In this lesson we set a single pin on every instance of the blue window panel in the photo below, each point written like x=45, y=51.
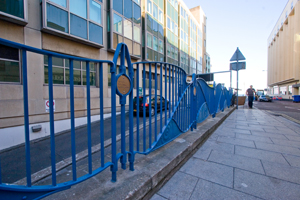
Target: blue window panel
x=154, y=27
x=13, y=7
x=78, y=26
x=155, y=11
x=79, y=7
x=149, y=23
x=136, y=14
x=57, y=18
x=118, y=23
x=62, y=3
x=95, y=33
x=118, y=6
x=160, y=31
x=95, y=12
x=128, y=9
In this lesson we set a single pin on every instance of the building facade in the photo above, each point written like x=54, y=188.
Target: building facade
x=284, y=53
x=154, y=30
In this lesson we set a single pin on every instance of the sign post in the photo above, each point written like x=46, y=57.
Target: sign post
x=236, y=65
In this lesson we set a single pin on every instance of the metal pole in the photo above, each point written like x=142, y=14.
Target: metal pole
x=237, y=89
x=230, y=78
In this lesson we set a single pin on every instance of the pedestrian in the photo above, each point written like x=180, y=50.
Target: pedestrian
x=250, y=94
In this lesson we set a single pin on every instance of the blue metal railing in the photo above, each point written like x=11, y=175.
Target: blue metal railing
x=169, y=106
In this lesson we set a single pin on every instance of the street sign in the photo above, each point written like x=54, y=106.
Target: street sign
x=237, y=56
x=237, y=66
x=140, y=91
x=47, y=106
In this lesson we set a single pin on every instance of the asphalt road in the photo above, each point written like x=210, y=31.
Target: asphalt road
x=13, y=165
x=281, y=107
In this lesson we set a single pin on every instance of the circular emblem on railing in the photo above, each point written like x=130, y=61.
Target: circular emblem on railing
x=195, y=91
x=123, y=84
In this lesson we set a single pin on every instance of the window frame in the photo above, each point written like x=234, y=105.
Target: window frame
x=68, y=35
x=15, y=19
x=20, y=69
x=74, y=69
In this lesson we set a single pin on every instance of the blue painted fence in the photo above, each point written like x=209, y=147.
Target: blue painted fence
x=174, y=106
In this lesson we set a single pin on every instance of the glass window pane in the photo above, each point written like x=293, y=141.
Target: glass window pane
x=76, y=64
x=116, y=40
x=161, y=4
x=155, y=43
x=77, y=77
x=78, y=26
x=118, y=23
x=137, y=49
x=9, y=71
x=62, y=3
x=78, y=7
x=128, y=29
x=149, y=6
x=154, y=27
x=92, y=78
x=137, y=34
x=160, y=16
x=57, y=18
x=118, y=6
x=149, y=23
x=161, y=46
x=57, y=75
x=155, y=11
x=95, y=33
x=160, y=31
x=136, y=14
x=149, y=40
x=128, y=9
x=13, y=7
x=137, y=1
x=57, y=61
x=95, y=12
x=129, y=45
x=10, y=53
x=168, y=23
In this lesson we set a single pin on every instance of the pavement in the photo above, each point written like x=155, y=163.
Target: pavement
x=252, y=155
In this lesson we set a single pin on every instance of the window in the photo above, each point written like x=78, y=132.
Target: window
x=161, y=46
x=149, y=40
x=13, y=7
x=155, y=45
x=137, y=34
x=128, y=9
x=61, y=71
x=9, y=64
x=160, y=16
x=81, y=18
x=118, y=6
x=136, y=14
x=149, y=6
x=118, y=23
x=155, y=11
x=128, y=29
x=290, y=90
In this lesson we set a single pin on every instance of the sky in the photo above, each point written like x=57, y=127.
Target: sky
x=246, y=24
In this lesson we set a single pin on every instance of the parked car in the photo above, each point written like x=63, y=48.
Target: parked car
x=140, y=102
x=266, y=98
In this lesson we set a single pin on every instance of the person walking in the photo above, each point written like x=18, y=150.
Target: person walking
x=250, y=94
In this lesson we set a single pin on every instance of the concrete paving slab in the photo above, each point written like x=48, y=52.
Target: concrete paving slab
x=293, y=138
x=284, y=132
x=208, y=190
x=278, y=148
x=204, y=152
x=254, y=138
x=283, y=172
x=236, y=141
x=293, y=160
x=260, y=154
x=209, y=171
x=236, y=130
x=287, y=143
x=264, y=187
x=157, y=197
x=220, y=132
x=180, y=186
x=270, y=135
x=249, y=128
x=237, y=161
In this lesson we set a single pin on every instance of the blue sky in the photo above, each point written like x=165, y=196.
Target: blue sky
x=246, y=24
